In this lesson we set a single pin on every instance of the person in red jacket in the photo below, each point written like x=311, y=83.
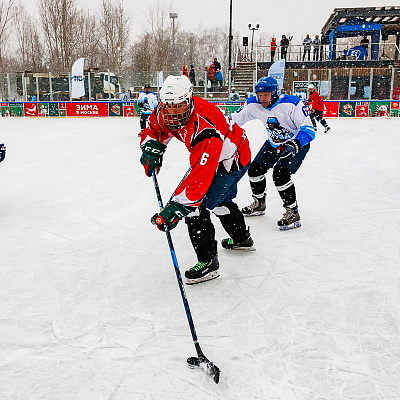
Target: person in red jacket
x=316, y=106
x=219, y=156
x=273, y=49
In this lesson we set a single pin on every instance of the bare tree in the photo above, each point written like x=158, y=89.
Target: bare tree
x=59, y=19
x=29, y=54
x=88, y=40
x=114, y=32
x=7, y=13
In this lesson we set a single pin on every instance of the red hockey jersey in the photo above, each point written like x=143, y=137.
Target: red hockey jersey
x=315, y=101
x=214, y=144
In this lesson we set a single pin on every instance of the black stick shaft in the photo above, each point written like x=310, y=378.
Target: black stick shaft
x=178, y=273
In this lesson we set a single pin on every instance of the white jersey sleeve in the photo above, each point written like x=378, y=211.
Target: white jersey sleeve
x=287, y=119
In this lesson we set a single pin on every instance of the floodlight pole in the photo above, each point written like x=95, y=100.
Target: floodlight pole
x=252, y=39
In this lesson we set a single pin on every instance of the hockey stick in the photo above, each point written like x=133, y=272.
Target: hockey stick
x=201, y=360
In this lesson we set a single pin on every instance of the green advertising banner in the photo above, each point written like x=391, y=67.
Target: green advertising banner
x=374, y=110
x=13, y=110
x=53, y=110
x=115, y=109
x=347, y=109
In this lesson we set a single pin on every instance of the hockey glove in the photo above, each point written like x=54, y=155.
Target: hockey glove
x=2, y=152
x=290, y=149
x=152, y=155
x=312, y=113
x=140, y=104
x=170, y=215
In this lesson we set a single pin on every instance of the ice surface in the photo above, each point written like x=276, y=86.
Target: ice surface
x=89, y=303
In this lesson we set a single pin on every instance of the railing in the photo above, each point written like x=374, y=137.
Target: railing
x=387, y=51
x=56, y=86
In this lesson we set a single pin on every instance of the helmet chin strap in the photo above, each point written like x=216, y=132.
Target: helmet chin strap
x=274, y=99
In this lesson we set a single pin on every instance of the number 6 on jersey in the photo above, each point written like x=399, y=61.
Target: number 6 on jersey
x=204, y=158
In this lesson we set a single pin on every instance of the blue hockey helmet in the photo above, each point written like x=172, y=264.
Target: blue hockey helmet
x=267, y=84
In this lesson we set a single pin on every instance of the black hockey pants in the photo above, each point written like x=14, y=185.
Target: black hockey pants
x=317, y=116
x=143, y=119
x=202, y=232
x=282, y=180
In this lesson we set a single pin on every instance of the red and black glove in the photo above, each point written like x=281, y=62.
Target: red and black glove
x=171, y=215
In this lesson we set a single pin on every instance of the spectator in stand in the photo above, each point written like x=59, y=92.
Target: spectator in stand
x=185, y=71
x=217, y=64
x=307, y=47
x=234, y=95
x=364, y=42
x=317, y=45
x=273, y=49
x=211, y=75
x=316, y=106
x=220, y=79
x=192, y=75
x=284, y=46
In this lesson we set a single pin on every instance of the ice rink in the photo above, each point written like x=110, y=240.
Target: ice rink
x=89, y=304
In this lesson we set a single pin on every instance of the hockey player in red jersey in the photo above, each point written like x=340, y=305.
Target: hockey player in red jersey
x=219, y=156
x=316, y=107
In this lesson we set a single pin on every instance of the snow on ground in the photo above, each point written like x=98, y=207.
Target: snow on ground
x=89, y=303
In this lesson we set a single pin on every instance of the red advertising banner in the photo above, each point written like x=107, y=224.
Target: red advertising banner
x=331, y=109
x=129, y=110
x=362, y=109
x=87, y=109
x=31, y=109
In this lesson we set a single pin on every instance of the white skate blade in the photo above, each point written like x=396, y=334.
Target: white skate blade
x=254, y=214
x=293, y=225
x=207, y=277
x=237, y=248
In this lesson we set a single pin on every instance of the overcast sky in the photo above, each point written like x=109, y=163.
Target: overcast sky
x=276, y=17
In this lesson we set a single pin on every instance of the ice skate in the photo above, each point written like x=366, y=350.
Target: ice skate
x=202, y=271
x=289, y=220
x=257, y=207
x=246, y=245
x=327, y=129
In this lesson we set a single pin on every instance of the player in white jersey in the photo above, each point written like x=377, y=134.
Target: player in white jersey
x=290, y=132
x=147, y=100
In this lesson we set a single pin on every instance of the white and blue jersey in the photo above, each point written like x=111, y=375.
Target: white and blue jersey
x=287, y=119
x=149, y=101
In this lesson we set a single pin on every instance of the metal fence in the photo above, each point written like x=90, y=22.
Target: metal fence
x=334, y=83
x=100, y=86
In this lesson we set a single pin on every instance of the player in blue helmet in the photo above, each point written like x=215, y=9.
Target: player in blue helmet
x=290, y=132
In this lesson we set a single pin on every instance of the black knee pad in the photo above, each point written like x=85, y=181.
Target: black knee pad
x=256, y=169
x=281, y=175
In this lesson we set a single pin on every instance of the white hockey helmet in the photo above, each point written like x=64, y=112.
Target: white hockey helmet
x=176, y=95
x=311, y=86
x=176, y=89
